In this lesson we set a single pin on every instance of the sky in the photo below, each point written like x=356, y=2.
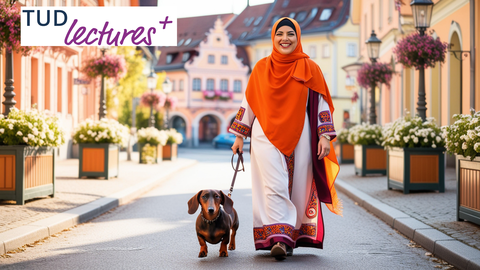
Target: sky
x=193, y=8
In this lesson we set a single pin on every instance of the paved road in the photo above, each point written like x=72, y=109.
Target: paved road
x=156, y=232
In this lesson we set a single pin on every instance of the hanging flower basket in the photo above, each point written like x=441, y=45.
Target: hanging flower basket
x=413, y=50
x=224, y=95
x=171, y=103
x=155, y=99
x=10, y=29
x=374, y=73
x=110, y=66
x=209, y=94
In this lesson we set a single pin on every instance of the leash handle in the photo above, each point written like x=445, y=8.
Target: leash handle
x=240, y=159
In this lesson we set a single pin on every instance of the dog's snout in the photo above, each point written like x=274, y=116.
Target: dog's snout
x=211, y=210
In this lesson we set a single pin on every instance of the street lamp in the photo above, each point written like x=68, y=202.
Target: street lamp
x=167, y=88
x=102, y=110
x=151, y=84
x=373, y=49
x=422, y=14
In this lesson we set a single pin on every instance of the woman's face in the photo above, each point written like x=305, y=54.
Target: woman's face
x=285, y=40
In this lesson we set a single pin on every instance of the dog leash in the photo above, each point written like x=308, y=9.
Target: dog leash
x=240, y=159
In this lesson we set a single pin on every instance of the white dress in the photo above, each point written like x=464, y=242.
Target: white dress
x=285, y=202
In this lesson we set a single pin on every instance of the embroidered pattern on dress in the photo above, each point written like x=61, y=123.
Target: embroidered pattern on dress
x=240, y=114
x=311, y=211
x=262, y=233
x=290, y=165
x=241, y=128
x=324, y=128
x=324, y=116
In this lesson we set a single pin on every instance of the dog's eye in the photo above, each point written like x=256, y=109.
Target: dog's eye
x=216, y=196
x=203, y=197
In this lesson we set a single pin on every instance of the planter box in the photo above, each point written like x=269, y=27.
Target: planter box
x=26, y=172
x=346, y=153
x=170, y=152
x=370, y=159
x=468, y=189
x=98, y=160
x=158, y=153
x=416, y=169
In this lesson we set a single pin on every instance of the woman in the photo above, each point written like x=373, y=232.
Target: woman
x=287, y=112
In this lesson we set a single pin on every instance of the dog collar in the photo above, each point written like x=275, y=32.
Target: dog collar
x=213, y=220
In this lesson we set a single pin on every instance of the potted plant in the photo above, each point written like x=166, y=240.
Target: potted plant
x=462, y=139
x=345, y=150
x=420, y=51
x=369, y=155
x=170, y=150
x=209, y=94
x=99, y=146
x=27, y=154
x=151, y=142
x=415, y=159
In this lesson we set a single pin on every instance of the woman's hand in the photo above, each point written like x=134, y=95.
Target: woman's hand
x=238, y=144
x=323, y=148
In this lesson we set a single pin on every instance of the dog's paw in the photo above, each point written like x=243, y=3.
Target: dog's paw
x=202, y=254
x=231, y=247
x=223, y=254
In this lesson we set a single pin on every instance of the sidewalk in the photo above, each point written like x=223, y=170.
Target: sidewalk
x=78, y=200
x=428, y=218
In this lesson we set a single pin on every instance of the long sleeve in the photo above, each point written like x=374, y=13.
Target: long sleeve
x=242, y=125
x=325, y=120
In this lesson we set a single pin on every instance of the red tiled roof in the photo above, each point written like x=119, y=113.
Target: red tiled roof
x=247, y=22
x=190, y=32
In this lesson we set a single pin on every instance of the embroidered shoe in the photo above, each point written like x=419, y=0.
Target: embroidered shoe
x=279, y=251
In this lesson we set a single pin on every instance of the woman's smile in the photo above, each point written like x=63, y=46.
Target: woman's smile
x=285, y=40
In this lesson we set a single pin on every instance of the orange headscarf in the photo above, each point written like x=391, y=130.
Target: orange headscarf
x=277, y=93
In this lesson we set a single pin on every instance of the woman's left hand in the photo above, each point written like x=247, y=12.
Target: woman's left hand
x=323, y=148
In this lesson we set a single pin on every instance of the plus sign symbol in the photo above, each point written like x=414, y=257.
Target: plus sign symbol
x=165, y=22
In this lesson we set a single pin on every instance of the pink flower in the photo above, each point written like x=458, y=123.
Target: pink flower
x=155, y=99
x=374, y=73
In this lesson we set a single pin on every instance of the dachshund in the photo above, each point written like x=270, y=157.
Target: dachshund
x=214, y=224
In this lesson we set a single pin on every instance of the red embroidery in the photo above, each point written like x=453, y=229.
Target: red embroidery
x=311, y=211
x=262, y=233
x=240, y=114
x=290, y=165
x=324, y=116
x=240, y=128
x=325, y=128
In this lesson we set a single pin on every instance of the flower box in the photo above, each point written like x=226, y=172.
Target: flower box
x=98, y=160
x=468, y=189
x=157, y=155
x=26, y=172
x=346, y=153
x=170, y=152
x=416, y=168
x=370, y=159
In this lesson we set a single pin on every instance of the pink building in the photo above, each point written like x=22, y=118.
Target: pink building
x=204, y=63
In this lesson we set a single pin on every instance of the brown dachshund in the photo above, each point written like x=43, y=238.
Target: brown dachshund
x=214, y=224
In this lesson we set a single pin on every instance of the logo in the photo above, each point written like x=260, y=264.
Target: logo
x=98, y=26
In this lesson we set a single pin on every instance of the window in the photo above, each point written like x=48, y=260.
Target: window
x=180, y=85
x=292, y=15
x=285, y=3
x=313, y=13
x=247, y=24
x=237, y=86
x=211, y=59
x=243, y=35
x=169, y=58
x=301, y=16
x=224, y=85
x=326, y=13
x=326, y=51
x=197, y=84
x=185, y=56
x=224, y=60
x=188, y=41
x=180, y=42
x=173, y=85
x=351, y=50
x=210, y=84
x=275, y=19
x=257, y=21
x=349, y=81
x=313, y=51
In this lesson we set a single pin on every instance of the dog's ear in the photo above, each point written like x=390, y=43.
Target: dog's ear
x=193, y=203
x=227, y=203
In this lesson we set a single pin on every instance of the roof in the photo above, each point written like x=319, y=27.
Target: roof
x=247, y=23
x=312, y=15
x=190, y=32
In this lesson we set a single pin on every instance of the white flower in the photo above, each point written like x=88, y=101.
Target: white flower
x=35, y=131
x=10, y=126
x=415, y=140
x=438, y=139
x=19, y=133
x=464, y=146
x=425, y=140
x=434, y=145
x=2, y=130
x=81, y=136
x=30, y=136
x=25, y=139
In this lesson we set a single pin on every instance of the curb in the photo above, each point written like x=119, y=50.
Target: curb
x=439, y=244
x=18, y=237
